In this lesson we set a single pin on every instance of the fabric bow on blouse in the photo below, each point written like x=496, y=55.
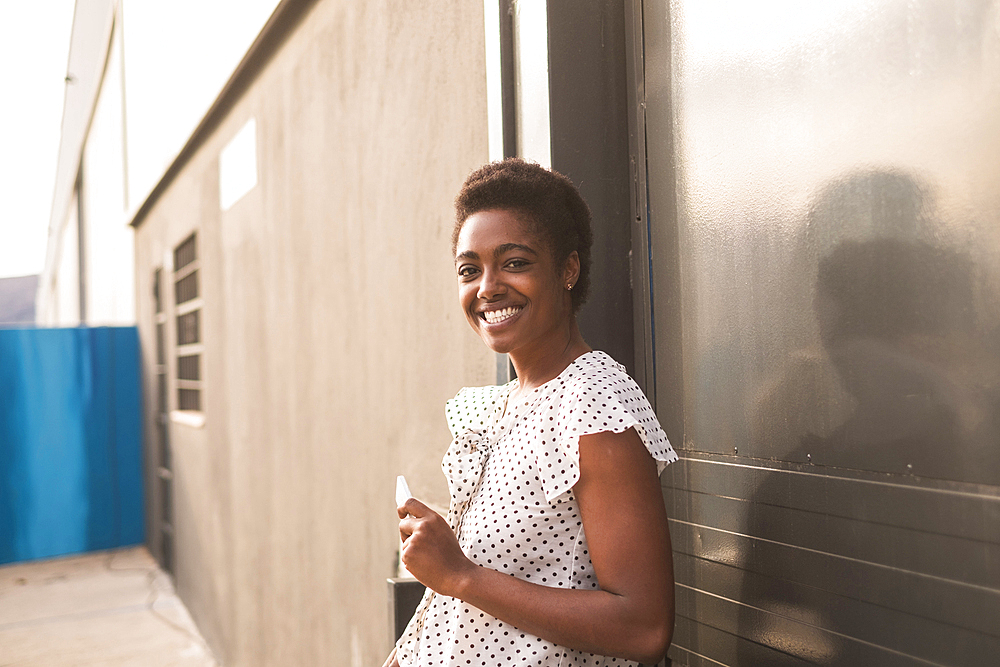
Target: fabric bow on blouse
x=463, y=467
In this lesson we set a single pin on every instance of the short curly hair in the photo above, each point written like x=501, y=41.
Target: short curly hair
x=547, y=199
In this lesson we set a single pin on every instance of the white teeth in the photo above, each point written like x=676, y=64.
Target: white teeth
x=494, y=316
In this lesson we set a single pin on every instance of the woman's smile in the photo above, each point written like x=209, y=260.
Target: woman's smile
x=502, y=316
x=510, y=287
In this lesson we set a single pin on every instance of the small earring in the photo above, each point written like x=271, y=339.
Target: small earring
x=569, y=286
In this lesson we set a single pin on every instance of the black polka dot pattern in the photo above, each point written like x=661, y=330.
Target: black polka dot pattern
x=511, y=470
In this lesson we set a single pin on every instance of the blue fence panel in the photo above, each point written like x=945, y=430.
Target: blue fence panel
x=70, y=441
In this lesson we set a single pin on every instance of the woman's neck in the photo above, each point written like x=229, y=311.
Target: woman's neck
x=536, y=367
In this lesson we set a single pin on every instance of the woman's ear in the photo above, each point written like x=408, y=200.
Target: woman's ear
x=571, y=272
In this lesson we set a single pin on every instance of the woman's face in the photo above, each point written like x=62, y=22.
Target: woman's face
x=509, y=285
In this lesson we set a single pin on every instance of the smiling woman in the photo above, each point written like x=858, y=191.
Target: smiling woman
x=510, y=288
x=555, y=550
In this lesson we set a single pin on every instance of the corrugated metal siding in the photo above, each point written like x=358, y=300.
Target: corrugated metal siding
x=831, y=568
x=825, y=250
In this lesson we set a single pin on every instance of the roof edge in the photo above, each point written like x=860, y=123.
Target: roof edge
x=285, y=18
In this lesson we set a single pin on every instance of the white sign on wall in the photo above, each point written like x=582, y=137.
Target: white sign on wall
x=238, y=166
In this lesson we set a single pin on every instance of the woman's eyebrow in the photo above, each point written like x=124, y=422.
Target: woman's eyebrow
x=507, y=247
x=498, y=251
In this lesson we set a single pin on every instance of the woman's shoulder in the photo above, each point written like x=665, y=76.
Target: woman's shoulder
x=594, y=395
x=596, y=371
x=596, y=388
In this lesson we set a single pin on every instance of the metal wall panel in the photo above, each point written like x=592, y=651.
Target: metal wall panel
x=825, y=249
x=589, y=134
x=70, y=441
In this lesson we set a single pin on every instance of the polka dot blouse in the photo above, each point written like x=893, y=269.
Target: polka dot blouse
x=511, y=475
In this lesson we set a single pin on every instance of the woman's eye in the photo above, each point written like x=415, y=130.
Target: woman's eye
x=517, y=264
x=466, y=271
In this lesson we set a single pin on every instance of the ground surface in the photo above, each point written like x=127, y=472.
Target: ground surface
x=113, y=609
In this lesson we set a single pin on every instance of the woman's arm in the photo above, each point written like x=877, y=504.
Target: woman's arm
x=621, y=507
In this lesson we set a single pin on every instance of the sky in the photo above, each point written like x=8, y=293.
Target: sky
x=34, y=50
x=34, y=46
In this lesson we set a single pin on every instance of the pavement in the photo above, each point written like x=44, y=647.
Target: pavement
x=107, y=609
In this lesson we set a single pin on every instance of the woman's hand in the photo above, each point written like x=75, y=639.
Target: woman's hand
x=430, y=549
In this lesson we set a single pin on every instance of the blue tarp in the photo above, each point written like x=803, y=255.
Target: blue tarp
x=70, y=441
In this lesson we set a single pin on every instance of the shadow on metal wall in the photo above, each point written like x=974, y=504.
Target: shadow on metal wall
x=876, y=520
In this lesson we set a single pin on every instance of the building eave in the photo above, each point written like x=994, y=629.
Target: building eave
x=287, y=16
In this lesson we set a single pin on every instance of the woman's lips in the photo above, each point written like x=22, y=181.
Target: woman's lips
x=500, y=316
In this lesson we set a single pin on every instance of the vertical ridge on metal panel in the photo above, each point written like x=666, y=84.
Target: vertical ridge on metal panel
x=128, y=435
x=639, y=264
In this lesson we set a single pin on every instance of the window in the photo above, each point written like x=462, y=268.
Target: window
x=187, y=296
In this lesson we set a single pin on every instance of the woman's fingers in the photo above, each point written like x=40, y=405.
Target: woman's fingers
x=413, y=507
x=414, y=515
x=430, y=549
x=407, y=526
x=410, y=513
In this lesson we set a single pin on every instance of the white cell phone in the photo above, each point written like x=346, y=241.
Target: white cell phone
x=402, y=491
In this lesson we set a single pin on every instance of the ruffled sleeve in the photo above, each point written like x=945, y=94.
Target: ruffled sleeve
x=597, y=399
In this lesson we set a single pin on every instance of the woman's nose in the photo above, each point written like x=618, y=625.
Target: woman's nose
x=490, y=285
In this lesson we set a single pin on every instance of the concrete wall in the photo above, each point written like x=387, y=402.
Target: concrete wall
x=108, y=241
x=58, y=300
x=91, y=172
x=59, y=287
x=167, y=92
x=332, y=334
